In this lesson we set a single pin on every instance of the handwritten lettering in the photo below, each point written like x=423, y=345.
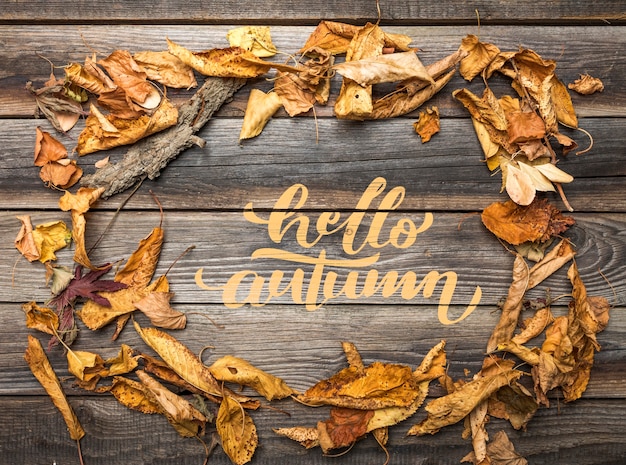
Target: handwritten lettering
x=312, y=283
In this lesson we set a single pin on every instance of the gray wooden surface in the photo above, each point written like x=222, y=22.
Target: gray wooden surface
x=203, y=193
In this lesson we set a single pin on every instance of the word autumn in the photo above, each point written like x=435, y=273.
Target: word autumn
x=312, y=283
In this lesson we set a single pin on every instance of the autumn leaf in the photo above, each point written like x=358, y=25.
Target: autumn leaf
x=79, y=204
x=384, y=68
x=259, y=110
x=538, y=222
x=87, y=367
x=236, y=430
x=141, y=265
x=184, y=417
x=255, y=39
x=307, y=436
x=452, y=408
x=47, y=148
x=156, y=306
x=61, y=174
x=134, y=395
x=479, y=56
x=25, y=241
x=534, y=326
x=131, y=77
x=226, y=62
x=344, y=428
x=165, y=68
x=499, y=451
x=428, y=124
x=42, y=319
x=89, y=76
x=62, y=111
x=102, y=133
x=123, y=362
x=586, y=85
x=43, y=371
x=236, y=370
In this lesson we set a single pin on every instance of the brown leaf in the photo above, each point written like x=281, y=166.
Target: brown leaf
x=47, y=148
x=62, y=111
x=41, y=368
x=90, y=77
x=307, y=437
x=586, y=85
x=226, y=62
x=79, y=204
x=500, y=451
x=25, y=242
x=534, y=326
x=344, y=428
x=156, y=306
x=141, y=265
x=184, y=417
x=452, y=408
x=512, y=306
x=552, y=261
x=480, y=55
x=538, y=222
x=106, y=133
x=524, y=126
x=513, y=403
x=42, y=319
x=60, y=175
x=428, y=124
x=237, y=431
x=236, y=370
x=389, y=67
x=165, y=68
x=259, y=110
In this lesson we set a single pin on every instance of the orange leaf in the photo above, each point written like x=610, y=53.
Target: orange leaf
x=428, y=124
x=47, y=148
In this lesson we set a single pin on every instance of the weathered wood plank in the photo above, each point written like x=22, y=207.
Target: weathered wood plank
x=606, y=11
x=304, y=347
x=445, y=174
x=225, y=242
x=582, y=432
x=595, y=51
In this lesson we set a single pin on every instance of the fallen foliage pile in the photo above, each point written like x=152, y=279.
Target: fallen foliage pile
x=515, y=133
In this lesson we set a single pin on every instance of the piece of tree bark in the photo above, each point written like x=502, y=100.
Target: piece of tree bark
x=149, y=156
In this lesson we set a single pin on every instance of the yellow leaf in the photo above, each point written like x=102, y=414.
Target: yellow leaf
x=120, y=131
x=141, y=265
x=85, y=365
x=167, y=69
x=79, y=204
x=480, y=55
x=519, y=185
x=42, y=319
x=51, y=237
x=260, y=109
x=256, y=39
x=237, y=431
x=134, y=395
x=123, y=362
x=41, y=368
x=226, y=62
x=236, y=370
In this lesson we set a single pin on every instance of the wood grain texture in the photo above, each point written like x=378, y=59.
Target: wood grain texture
x=204, y=191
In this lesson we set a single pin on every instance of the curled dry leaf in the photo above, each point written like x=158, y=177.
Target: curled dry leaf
x=123, y=362
x=454, y=407
x=534, y=326
x=61, y=174
x=237, y=431
x=184, y=417
x=165, y=68
x=384, y=68
x=479, y=56
x=586, y=85
x=259, y=110
x=47, y=148
x=255, y=39
x=156, y=306
x=428, y=124
x=344, y=427
x=103, y=134
x=232, y=62
x=43, y=371
x=141, y=265
x=500, y=451
x=236, y=370
x=79, y=204
x=62, y=111
x=42, y=319
x=25, y=241
x=538, y=222
x=307, y=437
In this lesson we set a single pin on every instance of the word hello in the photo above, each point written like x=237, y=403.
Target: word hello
x=311, y=283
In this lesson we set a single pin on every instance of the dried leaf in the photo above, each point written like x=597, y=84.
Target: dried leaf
x=259, y=110
x=236, y=370
x=25, y=242
x=480, y=55
x=226, y=62
x=89, y=77
x=62, y=111
x=165, y=68
x=124, y=362
x=134, y=395
x=79, y=204
x=586, y=85
x=87, y=367
x=41, y=318
x=563, y=106
x=47, y=148
x=553, y=173
x=554, y=260
x=307, y=437
x=184, y=417
x=41, y=368
x=519, y=185
x=452, y=408
x=538, y=222
x=61, y=175
x=255, y=39
x=237, y=431
x=428, y=124
x=534, y=326
x=524, y=126
x=141, y=265
x=344, y=428
x=50, y=237
x=500, y=451
x=119, y=131
x=156, y=306
x=384, y=68
x=182, y=360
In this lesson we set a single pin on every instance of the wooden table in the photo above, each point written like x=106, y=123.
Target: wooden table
x=204, y=191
